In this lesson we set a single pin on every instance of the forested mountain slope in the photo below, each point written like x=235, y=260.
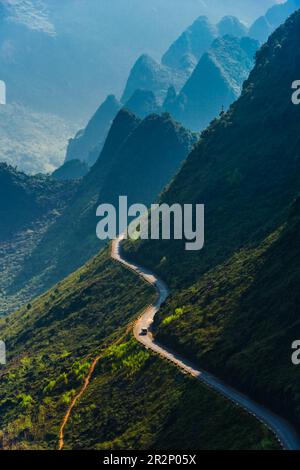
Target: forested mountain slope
x=235, y=304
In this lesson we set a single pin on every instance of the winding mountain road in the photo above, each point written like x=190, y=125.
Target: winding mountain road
x=284, y=432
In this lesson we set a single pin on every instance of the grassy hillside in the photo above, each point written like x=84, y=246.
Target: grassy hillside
x=50, y=344
x=138, y=401
x=134, y=400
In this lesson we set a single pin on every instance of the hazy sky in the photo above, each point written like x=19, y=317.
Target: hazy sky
x=86, y=48
x=127, y=28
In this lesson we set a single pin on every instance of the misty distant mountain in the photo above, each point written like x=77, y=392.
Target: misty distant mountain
x=232, y=26
x=87, y=144
x=194, y=42
x=275, y=16
x=60, y=59
x=55, y=54
x=147, y=74
x=217, y=81
x=197, y=39
x=150, y=83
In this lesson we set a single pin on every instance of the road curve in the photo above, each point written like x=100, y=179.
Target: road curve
x=284, y=432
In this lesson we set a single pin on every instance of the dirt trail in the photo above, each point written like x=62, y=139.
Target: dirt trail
x=83, y=389
x=74, y=401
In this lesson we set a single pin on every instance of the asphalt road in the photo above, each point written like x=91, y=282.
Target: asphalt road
x=284, y=432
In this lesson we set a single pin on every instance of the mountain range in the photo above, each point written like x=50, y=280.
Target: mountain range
x=200, y=74
x=58, y=63
x=217, y=78
x=181, y=58
x=52, y=343
x=54, y=55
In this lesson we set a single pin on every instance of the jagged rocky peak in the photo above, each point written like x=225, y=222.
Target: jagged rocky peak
x=233, y=26
x=111, y=104
x=194, y=41
x=147, y=74
x=216, y=81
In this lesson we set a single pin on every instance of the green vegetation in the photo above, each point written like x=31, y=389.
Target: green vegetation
x=138, y=401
